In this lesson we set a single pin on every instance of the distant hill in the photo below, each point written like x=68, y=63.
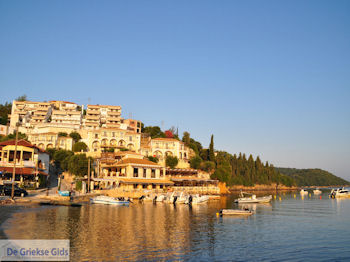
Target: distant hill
x=312, y=177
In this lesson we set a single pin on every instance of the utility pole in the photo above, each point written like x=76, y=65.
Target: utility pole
x=14, y=165
x=88, y=187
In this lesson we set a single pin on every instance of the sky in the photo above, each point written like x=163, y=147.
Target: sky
x=268, y=78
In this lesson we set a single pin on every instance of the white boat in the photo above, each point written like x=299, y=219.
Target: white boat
x=159, y=198
x=181, y=199
x=170, y=198
x=303, y=192
x=235, y=212
x=340, y=192
x=252, y=198
x=110, y=200
x=317, y=192
x=196, y=199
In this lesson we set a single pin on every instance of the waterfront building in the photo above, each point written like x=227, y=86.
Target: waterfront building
x=192, y=181
x=129, y=171
x=31, y=163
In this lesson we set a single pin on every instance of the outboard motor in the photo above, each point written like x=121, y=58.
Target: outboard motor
x=175, y=198
x=190, y=200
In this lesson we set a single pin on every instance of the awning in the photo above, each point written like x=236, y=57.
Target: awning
x=22, y=171
x=145, y=181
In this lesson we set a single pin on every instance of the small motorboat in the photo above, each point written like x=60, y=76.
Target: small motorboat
x=64, y=193
x=159, y=198
x=110, y=200
x=181, y=199
x=317, y=192
x=196, y=199
x=235, y=212
x=252, y=198
x=340, y=192
x=303, y=192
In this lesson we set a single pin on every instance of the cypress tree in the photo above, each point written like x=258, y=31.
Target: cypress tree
x=211, y=149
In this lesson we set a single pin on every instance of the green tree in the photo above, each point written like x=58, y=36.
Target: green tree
x=5, y=110
x=78, y=165
x=153, y=159
x=22, y=98
x=211, y=149
x=195, y=162
x=154, y=131
x=171, y=161
x=64, y=134
x=60, y=155
x=76, y=136
x=207, y=166
x=186, y=138
x=79, y=146
x=13, y=137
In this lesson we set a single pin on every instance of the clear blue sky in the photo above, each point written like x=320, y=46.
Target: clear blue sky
x=271, y=78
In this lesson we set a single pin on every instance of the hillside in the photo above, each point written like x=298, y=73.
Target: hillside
x=312, y=177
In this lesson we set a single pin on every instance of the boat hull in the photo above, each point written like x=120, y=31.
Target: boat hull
x=257, y=200
x=235, y=212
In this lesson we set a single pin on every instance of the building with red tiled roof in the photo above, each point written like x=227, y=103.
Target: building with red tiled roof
x=30, y=162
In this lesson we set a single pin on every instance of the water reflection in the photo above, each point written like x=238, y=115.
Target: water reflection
x=290, y=229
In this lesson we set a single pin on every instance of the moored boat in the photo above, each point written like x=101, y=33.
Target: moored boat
x=303, y=192
x=340, y=192
x=64, y=193
x=235, y=212
x=110, y=200
x=252, y=198
x=196, y=199
x=317, y=191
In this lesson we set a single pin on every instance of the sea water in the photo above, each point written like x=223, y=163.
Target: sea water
x=290, y=228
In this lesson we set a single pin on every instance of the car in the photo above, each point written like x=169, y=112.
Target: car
x=6, y=190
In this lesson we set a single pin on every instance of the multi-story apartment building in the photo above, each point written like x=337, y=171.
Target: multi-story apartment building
x=132, y=125
x=28, y=113
x=102, y=116
x=106, y=139
x=163, y=147
x=50, y=140
x=66, y=114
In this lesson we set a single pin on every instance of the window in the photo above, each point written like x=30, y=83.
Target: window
x=130, y=138
x=153, y=173
x=113, y=134
x=136, y=172
x=96, y=135
x=104, y=133
x=144, y=172
x=161, y=173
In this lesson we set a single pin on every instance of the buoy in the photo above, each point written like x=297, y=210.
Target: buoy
x=320, y=197
x=274, y=196
x=295, y=196
x=280, y=198
x=217, y=214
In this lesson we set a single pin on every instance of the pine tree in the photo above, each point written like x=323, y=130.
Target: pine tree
x=211, y=149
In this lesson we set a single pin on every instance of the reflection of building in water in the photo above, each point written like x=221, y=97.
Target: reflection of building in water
x=99, y=232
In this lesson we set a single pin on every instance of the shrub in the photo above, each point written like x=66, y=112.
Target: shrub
x=171, y=161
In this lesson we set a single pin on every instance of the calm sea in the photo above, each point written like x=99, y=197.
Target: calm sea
x=290, y=229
